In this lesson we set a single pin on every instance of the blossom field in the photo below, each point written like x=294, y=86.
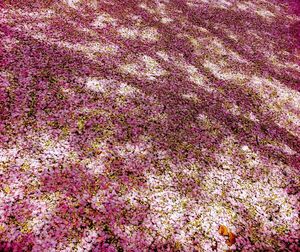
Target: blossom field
x=149, y=125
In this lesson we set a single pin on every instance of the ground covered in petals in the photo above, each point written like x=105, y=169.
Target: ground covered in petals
x=152, y=125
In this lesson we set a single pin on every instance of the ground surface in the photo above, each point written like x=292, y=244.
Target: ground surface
x=145, y=125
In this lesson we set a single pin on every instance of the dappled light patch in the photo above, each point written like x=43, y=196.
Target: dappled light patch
x=191, y=96
x=130, y=68
x=150, y=34
x=163, y=55
x=128, y=33
x=145, y=66
x=97, y=85
x=265, y=13
x=93, y=49
x=166, y=20
x=153, y=69
x=102, y=20
x=219, y=72
x=125, y=89
x=195, y=77
x=281, y=100
x=75, y=4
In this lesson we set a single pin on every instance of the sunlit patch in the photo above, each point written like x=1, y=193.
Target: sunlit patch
x=214, y=214
x=109, y=49
x=98, y=85
x=276, y=145
x=130, y=149
x=88, y=31
x=237, y=57
x=72, y=3
x=95, y=167
x=166, y=20
x=220, y=73
x=161, y=6
x=242, y=6
x=167, y=210
x=224, y=4
x=210, y=124
x=8, y=154
x=194, y=42
x=225, y=161
x=197, y=78
x=163, y=55
x=54, y=150
x=193, y=3
x=281, y=99
x=292, y=65
x=191, y=96
x=38, y=15
x=92, y=49
x=102, y=20
x=251, y=116
x=265, y=199
x=232, y=35
x=128, y=33
x=203, y=30
x=258, y=197
x=145, y=7
x=193, y=74
x=229, y=148
x=167, y=206
x=265, y=13
x=125, y=89
x=149, y=34
x=202, y=117
x=101, y=48
x=153, y=68
x=159, y=10
x=130, y=68
x=50, y=151
x=251, y=158
x=259, y=9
